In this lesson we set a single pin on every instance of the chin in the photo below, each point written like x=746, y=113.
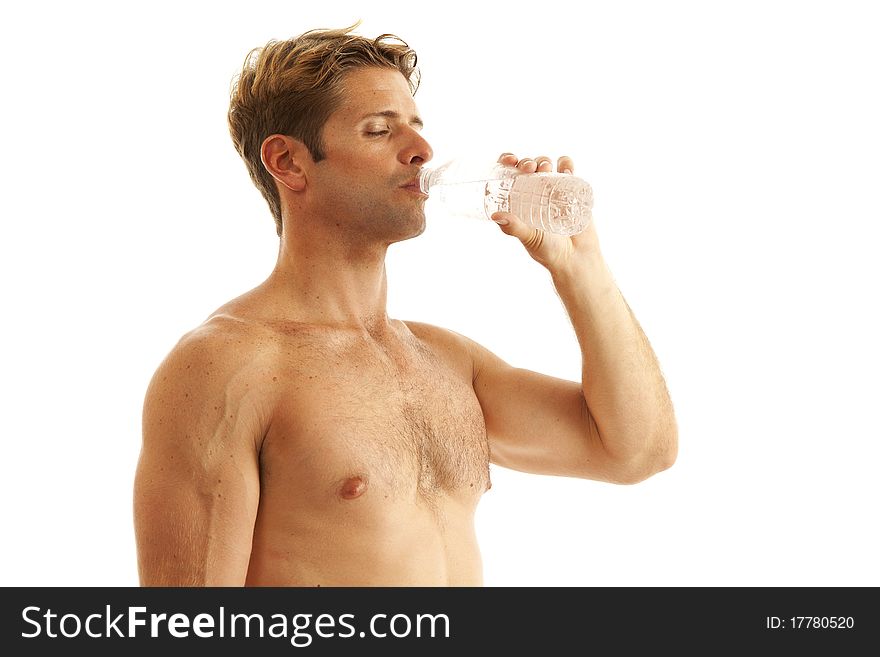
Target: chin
x=409, y=236
x=420, y=227
x=410, y=227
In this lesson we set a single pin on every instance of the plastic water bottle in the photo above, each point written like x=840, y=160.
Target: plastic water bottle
x=557, y=203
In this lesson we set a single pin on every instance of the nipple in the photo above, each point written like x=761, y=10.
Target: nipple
x=353, y=487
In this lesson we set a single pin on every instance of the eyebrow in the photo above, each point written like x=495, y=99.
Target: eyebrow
x=390, y=114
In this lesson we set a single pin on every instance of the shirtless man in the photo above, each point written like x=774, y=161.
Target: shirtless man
x=300, y=436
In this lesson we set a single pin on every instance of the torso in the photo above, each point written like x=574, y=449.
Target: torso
x=373, y=459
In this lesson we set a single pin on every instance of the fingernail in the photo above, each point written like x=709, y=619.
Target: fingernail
x=501, y=221
x=568, y=171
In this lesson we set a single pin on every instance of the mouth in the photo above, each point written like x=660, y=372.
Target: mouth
x=413, y=186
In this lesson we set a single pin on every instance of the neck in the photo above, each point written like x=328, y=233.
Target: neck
x=331, y=282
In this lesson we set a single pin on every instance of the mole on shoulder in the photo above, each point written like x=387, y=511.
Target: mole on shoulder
x=352, y=487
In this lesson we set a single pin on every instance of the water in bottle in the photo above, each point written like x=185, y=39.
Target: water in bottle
x=554, y=202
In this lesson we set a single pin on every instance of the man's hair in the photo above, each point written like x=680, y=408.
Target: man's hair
x=292, y=87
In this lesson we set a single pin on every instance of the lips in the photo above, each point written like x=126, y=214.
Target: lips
x=412, y=185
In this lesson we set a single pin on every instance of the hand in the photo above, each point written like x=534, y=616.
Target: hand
x=556, y=252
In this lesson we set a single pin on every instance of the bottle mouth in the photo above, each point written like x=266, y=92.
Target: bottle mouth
x=424, y=179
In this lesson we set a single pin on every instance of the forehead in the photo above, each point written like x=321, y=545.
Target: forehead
x=375, y=89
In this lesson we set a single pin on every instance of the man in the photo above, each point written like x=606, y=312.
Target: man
x=300, y=436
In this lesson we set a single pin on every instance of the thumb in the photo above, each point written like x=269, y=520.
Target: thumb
x=510, y=224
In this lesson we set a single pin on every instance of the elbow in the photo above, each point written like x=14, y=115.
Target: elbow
x=666, y=451
x=663, y=461
x=663, y=446
x=659, y=454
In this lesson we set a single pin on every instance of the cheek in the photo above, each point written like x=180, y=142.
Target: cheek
x=349, y=194
x=353, y=181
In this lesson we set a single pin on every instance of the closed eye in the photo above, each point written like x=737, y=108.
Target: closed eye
x=376, y=133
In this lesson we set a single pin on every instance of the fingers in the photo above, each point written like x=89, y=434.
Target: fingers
x=526, y=165
x=565, y=164
x=542, y=163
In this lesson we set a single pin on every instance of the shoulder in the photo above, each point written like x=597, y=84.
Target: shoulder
x=450, y=344
x=460, y=348
x=439, y=337
x=220, y=344
x=223, y=362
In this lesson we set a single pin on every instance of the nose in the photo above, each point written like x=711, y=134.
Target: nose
x=417, y=150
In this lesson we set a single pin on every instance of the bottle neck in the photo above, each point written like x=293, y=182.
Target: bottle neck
x=426, y=176
x=461, y=171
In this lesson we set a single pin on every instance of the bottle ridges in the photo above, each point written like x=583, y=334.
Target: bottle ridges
x=556, y=203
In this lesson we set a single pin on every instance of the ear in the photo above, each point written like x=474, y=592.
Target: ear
x=283, y=158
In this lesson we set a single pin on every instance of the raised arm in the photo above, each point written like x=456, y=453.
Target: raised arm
x=196, y=488
x=618, y=423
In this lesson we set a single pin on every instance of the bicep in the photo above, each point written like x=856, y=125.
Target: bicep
x=537, y=423
x=534, y=422
x=196, y=486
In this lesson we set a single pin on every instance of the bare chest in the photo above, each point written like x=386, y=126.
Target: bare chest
x=404, y=422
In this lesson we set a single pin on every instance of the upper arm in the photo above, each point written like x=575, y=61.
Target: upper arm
x=534, y=422
x=196, y=487
x=538, y=423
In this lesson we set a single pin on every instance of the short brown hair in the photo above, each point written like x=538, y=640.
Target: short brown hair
x=292, y=87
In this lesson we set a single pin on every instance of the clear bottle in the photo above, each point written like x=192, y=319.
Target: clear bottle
x=558, y=203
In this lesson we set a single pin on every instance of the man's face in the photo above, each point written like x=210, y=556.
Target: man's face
x=373, y=150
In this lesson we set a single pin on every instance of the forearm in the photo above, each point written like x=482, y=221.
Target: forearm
x=622, y=382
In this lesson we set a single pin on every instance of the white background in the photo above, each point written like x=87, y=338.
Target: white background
x=733, y=151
